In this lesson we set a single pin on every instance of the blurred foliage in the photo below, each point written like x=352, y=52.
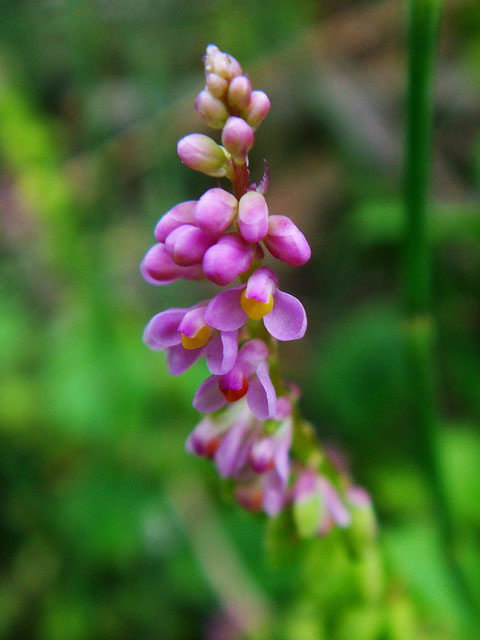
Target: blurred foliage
x=108, y=529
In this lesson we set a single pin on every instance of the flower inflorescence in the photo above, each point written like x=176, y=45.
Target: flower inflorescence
x=252, y=428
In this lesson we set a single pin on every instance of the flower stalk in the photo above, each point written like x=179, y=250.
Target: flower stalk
x=424, y=18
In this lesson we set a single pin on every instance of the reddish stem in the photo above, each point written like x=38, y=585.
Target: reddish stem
x=241, y=179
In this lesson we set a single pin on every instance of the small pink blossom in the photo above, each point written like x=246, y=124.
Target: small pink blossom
x=287, y=319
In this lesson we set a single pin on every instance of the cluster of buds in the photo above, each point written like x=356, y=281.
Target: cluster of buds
x=252, y=420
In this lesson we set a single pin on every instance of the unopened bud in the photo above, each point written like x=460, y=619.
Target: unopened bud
x=215, y=211
x=181, y=213
x=225, y=260
x=286, y=242
x=253, y=216
x=239, y=92
x=203, y=154
x=187, y=244
x=158, y=267
x=221, y=63
x=211, y=109
x=237, y=138
x=216, y=85
x=257, y=109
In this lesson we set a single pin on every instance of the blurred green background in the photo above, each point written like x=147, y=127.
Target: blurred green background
x=108, y=529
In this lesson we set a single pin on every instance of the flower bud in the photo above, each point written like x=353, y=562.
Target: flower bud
x=216, y=85
x=257, y=109
x=286, y=242
x=221, y=63
x=181, y=213
x=253, y=216
x=157, y=267
x=225, y=260
x=239, y=92
x=215, y=211
x=237, y=138
x=211, y=109
x=187, y=244
x=203, y=154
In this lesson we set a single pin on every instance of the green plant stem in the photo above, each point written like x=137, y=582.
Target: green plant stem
x=424, y=16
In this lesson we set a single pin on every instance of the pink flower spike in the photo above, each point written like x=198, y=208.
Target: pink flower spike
x=203, y=154
x=181, y=213
x=237, y=138
x=224, y=261
x=187, y=244
x=211, y=109
x=215, y=211
x=253, y=216
x=239, y=92
x=257, y=109
x=286, y=242
x=158, y=268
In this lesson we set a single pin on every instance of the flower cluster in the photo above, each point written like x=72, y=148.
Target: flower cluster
x=252, y=423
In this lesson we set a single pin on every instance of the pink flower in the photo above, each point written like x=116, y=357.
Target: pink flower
x=186, y=337
x=262, y=492
x=283, y=315
x=248, y=377
x=286, y=242
x=215, y=211
x=315, y=493
x=158, y=267
x=226, y=259
x=237, y=138
x=253, y=216
x=182, y=213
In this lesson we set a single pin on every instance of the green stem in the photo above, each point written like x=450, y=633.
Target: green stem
x=420, y=333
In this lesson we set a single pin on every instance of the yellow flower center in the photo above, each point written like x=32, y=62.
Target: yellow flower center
x=198, y=340
x=254, y=308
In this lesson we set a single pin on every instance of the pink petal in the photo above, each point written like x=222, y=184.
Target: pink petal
x=181, y=213
x=230, y=256
x=335, y=506
x=208, y=397
x=251, y=355
x=262, y=284
x=253, y=216
x=282, y=462
x=180, y=359
x=273, y=494
x=224, y=312
x=261, y=397
x=286, y=242
x=162, y=330
x=232, y=454
x=287, y=320
x=222, y=352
